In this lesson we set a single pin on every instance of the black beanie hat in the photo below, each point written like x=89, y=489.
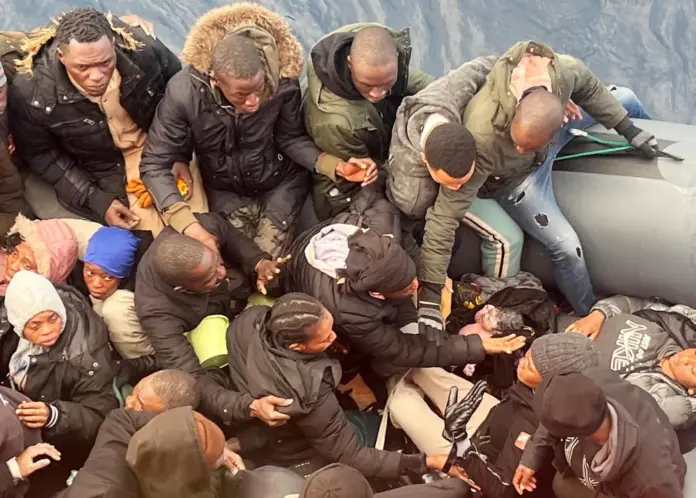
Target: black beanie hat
x=377, y=263
x=570, y=405
x=336, y=481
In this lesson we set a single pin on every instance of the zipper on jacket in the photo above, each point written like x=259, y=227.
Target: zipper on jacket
x=74, y=121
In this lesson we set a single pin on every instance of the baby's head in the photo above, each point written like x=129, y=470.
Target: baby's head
x=494, y=319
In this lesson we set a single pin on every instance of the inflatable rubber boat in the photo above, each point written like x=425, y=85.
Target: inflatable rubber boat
x=636, y=219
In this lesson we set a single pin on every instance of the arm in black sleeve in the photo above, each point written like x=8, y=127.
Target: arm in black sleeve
x=168, y=142
x=386, y=343
x=114, y=480
x=291, y=138
x=91, y=399
x=235, y=247
x=173, y=350
x=330, y=433
x=6, y=479
x=39, y=148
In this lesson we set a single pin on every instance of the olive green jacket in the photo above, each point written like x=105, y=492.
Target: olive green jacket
x=353, y=128
x=488, y=117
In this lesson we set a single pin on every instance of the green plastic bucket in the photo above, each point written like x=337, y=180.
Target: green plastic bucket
x=209, y=341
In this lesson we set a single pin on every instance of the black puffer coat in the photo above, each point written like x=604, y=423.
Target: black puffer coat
x=65, y=138
x=106, y=474
x=317, y=427
x=76, y=374
x=247, y=154
x=166, y=314
x=370, y=325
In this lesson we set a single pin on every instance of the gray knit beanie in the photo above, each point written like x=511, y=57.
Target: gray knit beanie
x=554, y=354
x=29, y=294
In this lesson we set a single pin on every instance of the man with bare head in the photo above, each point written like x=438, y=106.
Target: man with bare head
x=516, y=119
x=81, y=105
x=537, y=119
x=357, y=77
x=373, y=63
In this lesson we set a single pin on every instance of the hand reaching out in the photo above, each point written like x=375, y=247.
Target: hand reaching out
x=507, y=344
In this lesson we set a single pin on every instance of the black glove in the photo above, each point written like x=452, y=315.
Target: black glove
x=457, y=415
x=430, y=321
x=640, y=139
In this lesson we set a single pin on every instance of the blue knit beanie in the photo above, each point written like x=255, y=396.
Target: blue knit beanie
x=113, y=250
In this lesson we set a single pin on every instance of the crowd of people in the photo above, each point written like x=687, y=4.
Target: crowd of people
x=217, y=252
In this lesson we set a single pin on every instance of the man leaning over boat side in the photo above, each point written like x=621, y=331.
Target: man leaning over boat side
x=80, y=107
x=513, y=118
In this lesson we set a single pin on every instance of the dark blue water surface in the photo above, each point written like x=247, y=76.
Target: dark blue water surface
x=646, y=44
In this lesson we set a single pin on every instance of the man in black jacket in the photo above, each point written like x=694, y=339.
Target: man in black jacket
x=80, y=106
x=179, y=282
x=237, y=107
x=616, y=440
x=365, y=279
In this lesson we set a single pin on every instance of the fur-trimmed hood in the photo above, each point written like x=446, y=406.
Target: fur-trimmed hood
x=282, y=51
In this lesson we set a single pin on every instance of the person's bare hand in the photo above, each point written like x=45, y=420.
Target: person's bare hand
x=371, y=173
x=27, y=464
x=573, y=111
x=507, y=344
x=138, y=22
x=196, y=231
x=357, y=170
x=233, y=461
x=524, y=479
x=590, y=326
x=459, y=472
x=33, y=414
x=265, y=409
x=267, y=270
x=181, y=170
x=120, y=216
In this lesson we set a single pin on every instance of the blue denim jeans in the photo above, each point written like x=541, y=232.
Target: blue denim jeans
x=533, y=206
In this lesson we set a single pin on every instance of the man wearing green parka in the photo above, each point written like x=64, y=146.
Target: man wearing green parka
x=531, y=101
x=357, y=77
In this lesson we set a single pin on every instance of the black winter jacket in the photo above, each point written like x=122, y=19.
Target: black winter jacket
x=247, y=154
x=106, y=474
x=76, y=374
x=318, y=426
x=648, y=462
x=65, y=138
x=498, y=444
x=166, y=315
x=371, y=325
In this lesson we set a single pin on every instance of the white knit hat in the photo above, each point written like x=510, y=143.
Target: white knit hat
x=29, y=294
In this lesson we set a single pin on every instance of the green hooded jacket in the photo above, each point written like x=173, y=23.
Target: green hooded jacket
x=488, y=117
x=346, y=127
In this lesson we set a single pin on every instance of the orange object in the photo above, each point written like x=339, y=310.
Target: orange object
x=182, y=186
x=138, y=189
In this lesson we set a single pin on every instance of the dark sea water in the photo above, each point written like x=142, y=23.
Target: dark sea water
x=646, y=44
